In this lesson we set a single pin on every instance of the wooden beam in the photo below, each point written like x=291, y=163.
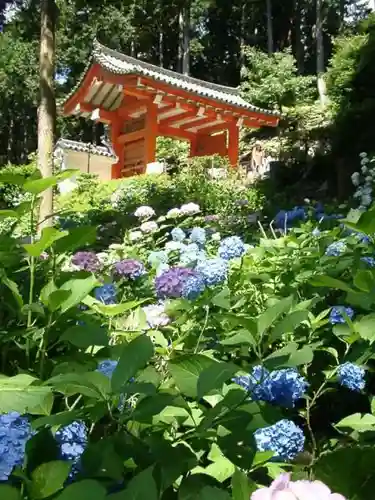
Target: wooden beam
x=79, y=95
x=199, y=121
x=214, y=128
x=175, y=133
x=103, y=116
x=132, y=136
x=172, y=120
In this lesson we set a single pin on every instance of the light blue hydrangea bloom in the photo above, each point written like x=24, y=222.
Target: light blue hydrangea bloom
x=231, y=247
x=72, y=440
x=193, y=287
x=198, y=235
x=336, y=249
x=157, y=258
x=214, y=271
x=178, y=234
x=351, y=376
x=284, y=438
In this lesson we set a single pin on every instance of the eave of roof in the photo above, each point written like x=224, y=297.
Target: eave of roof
x=120, y=64
x=83, y=147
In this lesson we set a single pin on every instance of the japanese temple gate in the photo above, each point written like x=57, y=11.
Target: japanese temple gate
x=140, y=101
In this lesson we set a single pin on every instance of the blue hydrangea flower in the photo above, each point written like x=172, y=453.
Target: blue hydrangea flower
x=72, y=440
x=363, y=238
x=156, y=258
x=170, y=284
x=198, y=235
x=370, y=261
x=336, y=249
x=178, y=234
x=106, y=294
x=15, y=431
x=285, y=439
x=282, y=387
x=193, y=287
x=336, y=315
x=107, y=367
x=213, y=271
x=286, y=218
x=351, y=376
x=231, y=247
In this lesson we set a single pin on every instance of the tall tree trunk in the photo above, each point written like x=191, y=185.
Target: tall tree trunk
x=320, y=53
x=184, y=37
x=299, y=46
x=242, y=34
x=269, y=27
x=47, y=106
x=161, y=46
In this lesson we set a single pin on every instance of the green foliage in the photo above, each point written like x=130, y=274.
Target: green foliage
x=273, y=81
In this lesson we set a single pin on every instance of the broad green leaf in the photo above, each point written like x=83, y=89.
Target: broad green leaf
x=364, y=280
x=111, y=310
x=84, y=490
x=77, y=237
x=16, y=179
x=222, y=299
x=92, y=384
x=37, y=186
x=79, y=288
x=241, y=486
x=289, y=356
x=185, y=371
x=329, y=282
x=4, y=214
x=365, y=224
x=48, y=237
x=134, y=356
x=212, y=493
x=12, y=286
x=288, y=324
x=63, y=418
x=214, y=376
x=366, y=327
x=358, y=422
x=241, y=337
x=86, y=336
x=46, y=291
x=58, y=297
x=17, y=394
x=266, y=319
x=141, y=487
x=49, y=478
x=222, y=469
x=348, y=470
x=9, y=493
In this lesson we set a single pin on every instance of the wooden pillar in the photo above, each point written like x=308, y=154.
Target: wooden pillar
x=118, y=149
x=233, y=144
x=193, y=147
x=151, y=132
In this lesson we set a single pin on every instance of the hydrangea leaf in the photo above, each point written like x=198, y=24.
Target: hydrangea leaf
x=111, y=309
x=79, y=289
x=48, y=237
x=75, y=238
x=17, y=394
x=83, y=490
x=366, y=327
x=214, y=376
x=37, y=186
x=364, y=280
x=242, y=487
x=49, y=478
x=141, y=487
x=288, y=324
x=91, y=384
x=329, y=282
x=358, y=422
x=84, y=336
x=185, y=371
x=133, y=358
x=266, y=319
x=9, y=493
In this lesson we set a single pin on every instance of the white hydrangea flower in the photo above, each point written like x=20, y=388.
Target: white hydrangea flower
x=307, y=201
x=367, y=190
x=356, y=178
x=149, y=227
x=365, y=161
x=172, y=246
x=363, y=155
x=144, y=212
x=364, y=169
x=368, y=179
x=216, y=237
x=366, y=200
x=135, y=235
x=190, y=209
x=116, y=197
x=173, y=212
x=115, y=246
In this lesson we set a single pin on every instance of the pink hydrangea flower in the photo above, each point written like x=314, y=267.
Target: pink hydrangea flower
x=285, y=489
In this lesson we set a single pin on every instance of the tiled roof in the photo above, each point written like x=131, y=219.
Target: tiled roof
x=121, y=64
x=83, y=147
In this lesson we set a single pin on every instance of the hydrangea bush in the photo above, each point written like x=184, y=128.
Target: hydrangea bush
x=186, y=364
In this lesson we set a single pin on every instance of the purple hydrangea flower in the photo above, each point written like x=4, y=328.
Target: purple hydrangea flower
x=211, y=218
x=284, y=438
x=171, y=282
x=15, y=431
x=87, y=261
x=129, y=268
x=336, y=315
